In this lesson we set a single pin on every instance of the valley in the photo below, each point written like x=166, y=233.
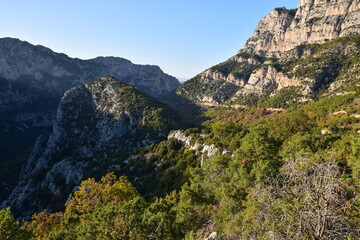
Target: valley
x=265, y=145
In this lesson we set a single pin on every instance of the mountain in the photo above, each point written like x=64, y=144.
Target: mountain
x=32, y=81
x=299, y=51
x=96, y=125
x=42, y=68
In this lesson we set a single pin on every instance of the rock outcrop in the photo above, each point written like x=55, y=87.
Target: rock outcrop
x=93, y=121
x=209, y=150
x=286, y=37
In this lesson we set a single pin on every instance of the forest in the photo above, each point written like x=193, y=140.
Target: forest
x=277, y=174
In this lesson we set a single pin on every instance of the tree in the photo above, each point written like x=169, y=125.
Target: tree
x=354, y=160
x=92, y=194
x=9, y=228
x=288, y=123
x=43, y=223
x=159, y=219
x=119, y=221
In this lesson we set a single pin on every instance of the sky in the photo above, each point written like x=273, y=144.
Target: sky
x=183, y=37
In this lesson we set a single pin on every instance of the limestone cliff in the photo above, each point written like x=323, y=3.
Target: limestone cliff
x=290, y=39
x=314, y=21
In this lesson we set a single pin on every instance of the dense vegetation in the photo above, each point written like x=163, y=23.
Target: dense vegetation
x=280, y=178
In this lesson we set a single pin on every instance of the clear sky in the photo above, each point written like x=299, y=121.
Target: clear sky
x=183, y=37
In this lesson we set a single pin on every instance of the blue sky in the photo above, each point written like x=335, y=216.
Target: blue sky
x=183, y=37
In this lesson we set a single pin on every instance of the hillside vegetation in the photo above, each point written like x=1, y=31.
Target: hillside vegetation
x=279, y=178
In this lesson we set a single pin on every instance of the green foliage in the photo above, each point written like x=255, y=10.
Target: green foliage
x=283, y=10
x=92, y=194
x=288, y=123
x=247, y=99
x=354, y=159
x=10, y=229
x=8, y=226
x=160, y=219
x=283, y=99
x=119, y=213
x=345, y=151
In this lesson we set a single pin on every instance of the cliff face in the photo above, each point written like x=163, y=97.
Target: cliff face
x=102, y=118
x=314, y=21
x=290, y=39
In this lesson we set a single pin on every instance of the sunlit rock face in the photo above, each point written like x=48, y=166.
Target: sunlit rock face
x=314, y=21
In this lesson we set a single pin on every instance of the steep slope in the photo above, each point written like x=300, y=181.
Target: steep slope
x=32, y=81
x=104, y=119
x=24, y=115
x=314, y=21
x=290, y=37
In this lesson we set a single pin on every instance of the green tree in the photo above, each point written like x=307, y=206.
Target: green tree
x=92, y=194
x=288, y=123
x=159, y=219
x=354, y=159
x=9, y=227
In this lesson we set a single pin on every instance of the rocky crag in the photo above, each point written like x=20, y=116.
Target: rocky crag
x=276, y=56
x=96, y=123
x=314, y=21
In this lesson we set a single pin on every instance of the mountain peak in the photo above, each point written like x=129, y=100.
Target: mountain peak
x=315, y=21
x=279, y=58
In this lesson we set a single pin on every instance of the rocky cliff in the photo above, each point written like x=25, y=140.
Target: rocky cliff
x=99, y=120
x=314, y=21
x=293, y=38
